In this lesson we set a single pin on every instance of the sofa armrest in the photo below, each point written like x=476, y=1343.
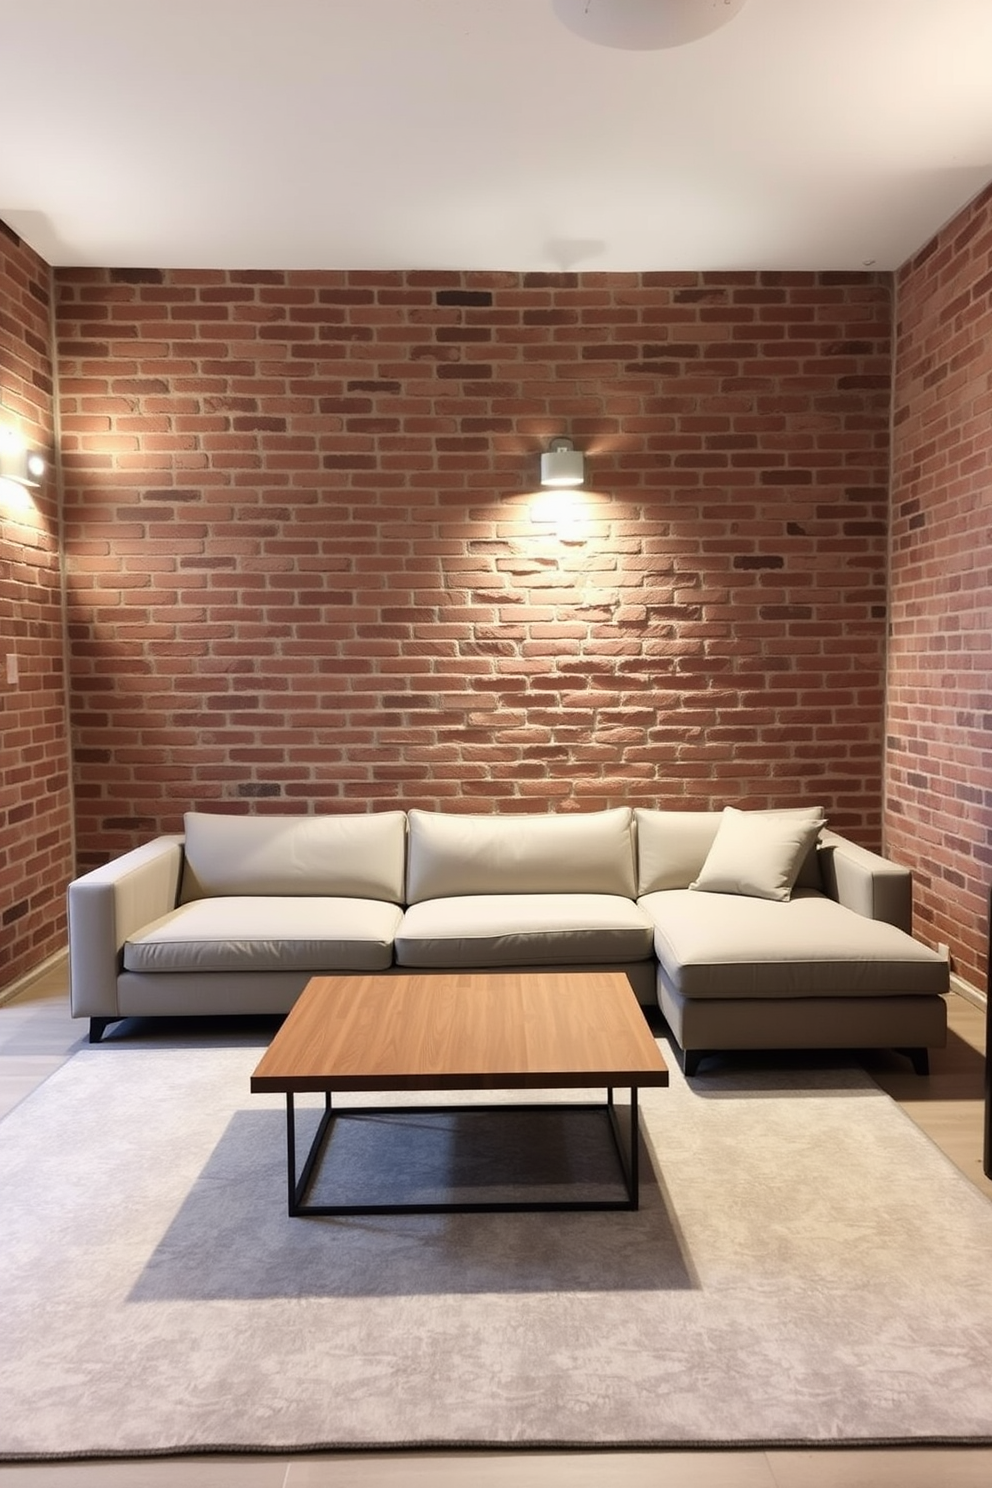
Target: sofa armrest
x=864, y=881
x=105, y=907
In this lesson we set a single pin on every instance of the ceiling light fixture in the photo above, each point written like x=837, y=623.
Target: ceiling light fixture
x=645, y=25
x=562, y=465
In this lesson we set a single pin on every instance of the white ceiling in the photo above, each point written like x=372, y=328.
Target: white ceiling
x=483, y=134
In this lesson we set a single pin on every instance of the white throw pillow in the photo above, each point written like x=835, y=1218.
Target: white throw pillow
x=759, y=853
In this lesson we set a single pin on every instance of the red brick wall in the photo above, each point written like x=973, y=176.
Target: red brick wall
x=304, y=573
x=939, y=755
x=35, y=805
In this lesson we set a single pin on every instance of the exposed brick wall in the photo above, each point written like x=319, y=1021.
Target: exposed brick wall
x=35, y=806
x=939, y=754
x=304, y=573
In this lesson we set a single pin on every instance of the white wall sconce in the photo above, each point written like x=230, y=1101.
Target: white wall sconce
x=562, y=465
x=17, y=462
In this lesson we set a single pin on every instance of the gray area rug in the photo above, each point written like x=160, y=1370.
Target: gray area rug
x=805, y=1268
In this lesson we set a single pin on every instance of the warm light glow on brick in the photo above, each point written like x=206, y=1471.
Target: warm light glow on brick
x=300, y=548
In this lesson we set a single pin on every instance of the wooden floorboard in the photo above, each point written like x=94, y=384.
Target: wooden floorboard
x=37, y=1036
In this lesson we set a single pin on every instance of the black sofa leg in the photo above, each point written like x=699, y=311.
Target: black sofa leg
x=98, y=1027
x=918, y=1058
x=691, y=1060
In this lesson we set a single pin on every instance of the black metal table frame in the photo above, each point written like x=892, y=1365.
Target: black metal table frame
x=300, y=1184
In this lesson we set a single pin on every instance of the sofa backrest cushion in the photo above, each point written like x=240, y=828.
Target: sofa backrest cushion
x=588, y=853
x=360, y=857
x=672, y=847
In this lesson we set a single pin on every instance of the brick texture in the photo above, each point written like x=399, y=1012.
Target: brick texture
x=938, y=764
x=35, y=806
x=307, y=569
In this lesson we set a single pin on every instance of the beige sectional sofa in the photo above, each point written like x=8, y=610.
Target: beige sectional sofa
x=751, y=929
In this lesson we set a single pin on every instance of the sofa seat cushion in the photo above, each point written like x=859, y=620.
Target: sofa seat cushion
x=267, y=934
x=723, y=946
x=523, y=930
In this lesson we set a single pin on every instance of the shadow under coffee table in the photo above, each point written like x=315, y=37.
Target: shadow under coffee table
x=441, y=1031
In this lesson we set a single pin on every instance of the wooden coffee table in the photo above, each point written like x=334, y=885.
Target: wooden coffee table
x=462, y=1031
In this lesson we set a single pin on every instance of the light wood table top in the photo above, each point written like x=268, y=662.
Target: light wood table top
x=482, y=1030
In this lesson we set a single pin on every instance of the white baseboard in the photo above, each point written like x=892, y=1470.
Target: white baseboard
x=14, y=989
x=967, y=991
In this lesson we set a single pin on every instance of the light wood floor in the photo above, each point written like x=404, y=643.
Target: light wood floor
x=37, y=1035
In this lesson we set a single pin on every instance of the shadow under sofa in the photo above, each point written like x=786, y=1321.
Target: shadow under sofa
x=236, y=914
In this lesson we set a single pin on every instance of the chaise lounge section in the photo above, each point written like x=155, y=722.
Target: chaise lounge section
x=811, y=950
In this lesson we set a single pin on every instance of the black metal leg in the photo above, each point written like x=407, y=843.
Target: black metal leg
x=299, y=1186
x=98, y=1027
x=627, y=1154
x=291, y=1150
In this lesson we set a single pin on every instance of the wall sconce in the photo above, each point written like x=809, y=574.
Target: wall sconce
x=17, y=462
x=562, y=464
